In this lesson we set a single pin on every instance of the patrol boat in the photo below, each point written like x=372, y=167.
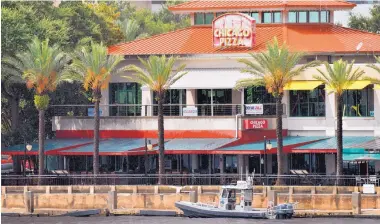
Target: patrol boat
x=227, y=207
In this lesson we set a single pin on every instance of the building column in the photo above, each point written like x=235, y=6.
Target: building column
x=194, y=162
x=221, y=164
x=330, y=163
x=105, y=101
x=269, y=163
x=236, y=99
x=377, y=112
x=330, y=113
x=240, y=164
x=146, y=101
x=191, y=97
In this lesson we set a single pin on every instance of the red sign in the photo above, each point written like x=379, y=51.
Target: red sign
x=234, y=30
x=256, y=124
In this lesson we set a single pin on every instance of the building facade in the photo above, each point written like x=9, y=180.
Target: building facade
x=211, y=127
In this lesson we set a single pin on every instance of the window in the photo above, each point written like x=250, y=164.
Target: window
x=219, y=14
x=125, y=93
x=199, y=18
x=325, y=16
x=302, y=17
x=259, y=95
x=292, y=18
x=208, y=18
x=255, y=15
x=267, y=17
x=203, y=18
x=216, y=96
x=313, y=17
x=359, y=103
x=277, y=17
x=173, y=100
x=304, y=103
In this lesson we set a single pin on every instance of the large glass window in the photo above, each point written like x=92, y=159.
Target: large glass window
x=292, y=17
x=259, y=95
x=302, y=17
x=217, y=97
x=277, y=17
x=203, y=18
x=255, y=15
x=304, y=103
x=325, y=16
x=208, y=18
x=358, y=103
x=314, y=17
x=173, y=101
x=267, y=17
x=125, y=93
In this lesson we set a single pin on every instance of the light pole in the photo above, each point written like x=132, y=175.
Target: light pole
x=29, y=148
x=148, y=146
x=269, y=147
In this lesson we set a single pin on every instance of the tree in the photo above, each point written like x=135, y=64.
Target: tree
x=377, y=68
x=367, y=23
x=42, y=67
x=274, y=69
x=337, y=78
x=93, y=67
x=158, y=74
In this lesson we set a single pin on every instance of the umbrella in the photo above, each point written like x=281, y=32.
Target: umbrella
x=366, y=158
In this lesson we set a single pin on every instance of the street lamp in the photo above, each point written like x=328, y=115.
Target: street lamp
x=148, y=146
x=29, y=148
x=269, y=147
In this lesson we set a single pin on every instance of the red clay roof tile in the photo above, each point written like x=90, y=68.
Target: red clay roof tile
x=327, y=38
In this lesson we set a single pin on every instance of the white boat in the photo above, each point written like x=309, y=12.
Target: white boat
x=227, y=207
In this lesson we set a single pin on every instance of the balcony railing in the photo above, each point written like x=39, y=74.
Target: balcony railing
x=134, y=110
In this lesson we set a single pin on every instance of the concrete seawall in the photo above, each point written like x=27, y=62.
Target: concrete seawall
x=164, y=197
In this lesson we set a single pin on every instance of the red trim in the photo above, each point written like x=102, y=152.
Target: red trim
x=147, y=133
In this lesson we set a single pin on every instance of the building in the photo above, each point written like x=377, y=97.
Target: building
x=209, y=126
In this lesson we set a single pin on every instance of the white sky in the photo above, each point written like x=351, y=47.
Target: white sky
x=342, y=16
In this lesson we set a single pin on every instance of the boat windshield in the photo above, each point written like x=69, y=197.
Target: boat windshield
x=229, y=193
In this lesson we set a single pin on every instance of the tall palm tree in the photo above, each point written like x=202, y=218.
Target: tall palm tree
x=337, y=78
x=274, y=69
x=42, y=67
x=93, y=67
x=158, y=74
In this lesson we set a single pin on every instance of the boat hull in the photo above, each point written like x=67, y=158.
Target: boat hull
x=194, y=210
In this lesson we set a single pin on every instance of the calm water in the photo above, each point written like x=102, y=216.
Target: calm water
x=175, y=220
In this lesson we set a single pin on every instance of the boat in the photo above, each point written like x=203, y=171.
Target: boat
x=228, y=208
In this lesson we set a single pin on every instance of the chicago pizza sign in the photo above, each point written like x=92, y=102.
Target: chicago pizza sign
x=234, y=30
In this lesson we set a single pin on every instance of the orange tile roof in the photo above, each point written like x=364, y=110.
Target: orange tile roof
x=195, y=5
x=327, y=38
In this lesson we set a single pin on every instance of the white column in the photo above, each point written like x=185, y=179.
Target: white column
x=146, y=101
x=285, y=101
x=330, y=105
x=64, y=163
x=105, y=101
x=330, y=163
x=240, y=163
x=221, y=163
x=242, y=103
x=191, y=96
x=194, y=162
x=377, y=112
x=236, y=99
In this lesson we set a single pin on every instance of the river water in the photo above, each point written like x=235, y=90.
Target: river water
x=176, y=220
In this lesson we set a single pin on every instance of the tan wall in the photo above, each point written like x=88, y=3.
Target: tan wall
x=164, y=197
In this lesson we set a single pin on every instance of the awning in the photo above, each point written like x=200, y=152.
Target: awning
x=258, y=147
x=329, y=145
x=370, y=145
x=195, y=145
x=358, y=85
x=361, y=157
x=377, y=86
x=302, y=85
x=210, y=79
x=111, y=147
x=51, y=146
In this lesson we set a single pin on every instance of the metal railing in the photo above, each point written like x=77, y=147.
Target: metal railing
x=180, y=179
x=269, y=109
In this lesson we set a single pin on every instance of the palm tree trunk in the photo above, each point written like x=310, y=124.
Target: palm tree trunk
x=280, y=169
x=41, y=144
x=161, y=155
x=97, y=97
x=339, y=136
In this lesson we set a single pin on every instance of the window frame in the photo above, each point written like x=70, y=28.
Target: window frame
x=297, y=105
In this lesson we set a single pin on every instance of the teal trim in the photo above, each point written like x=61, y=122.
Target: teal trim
x=330, y=143
x=363, y=157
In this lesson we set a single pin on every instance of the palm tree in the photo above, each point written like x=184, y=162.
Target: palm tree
x=274, y=69
x=42, y=67
x=93, y=67
x=158, y=74
x=377, y=68
x=337, y=78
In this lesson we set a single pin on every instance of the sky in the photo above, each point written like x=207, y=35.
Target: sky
x=342, y=16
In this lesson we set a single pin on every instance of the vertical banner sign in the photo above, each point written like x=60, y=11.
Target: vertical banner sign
x=234, y=30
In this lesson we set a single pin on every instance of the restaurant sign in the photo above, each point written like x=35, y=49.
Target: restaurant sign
x=256, y=124
x=234, y=30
